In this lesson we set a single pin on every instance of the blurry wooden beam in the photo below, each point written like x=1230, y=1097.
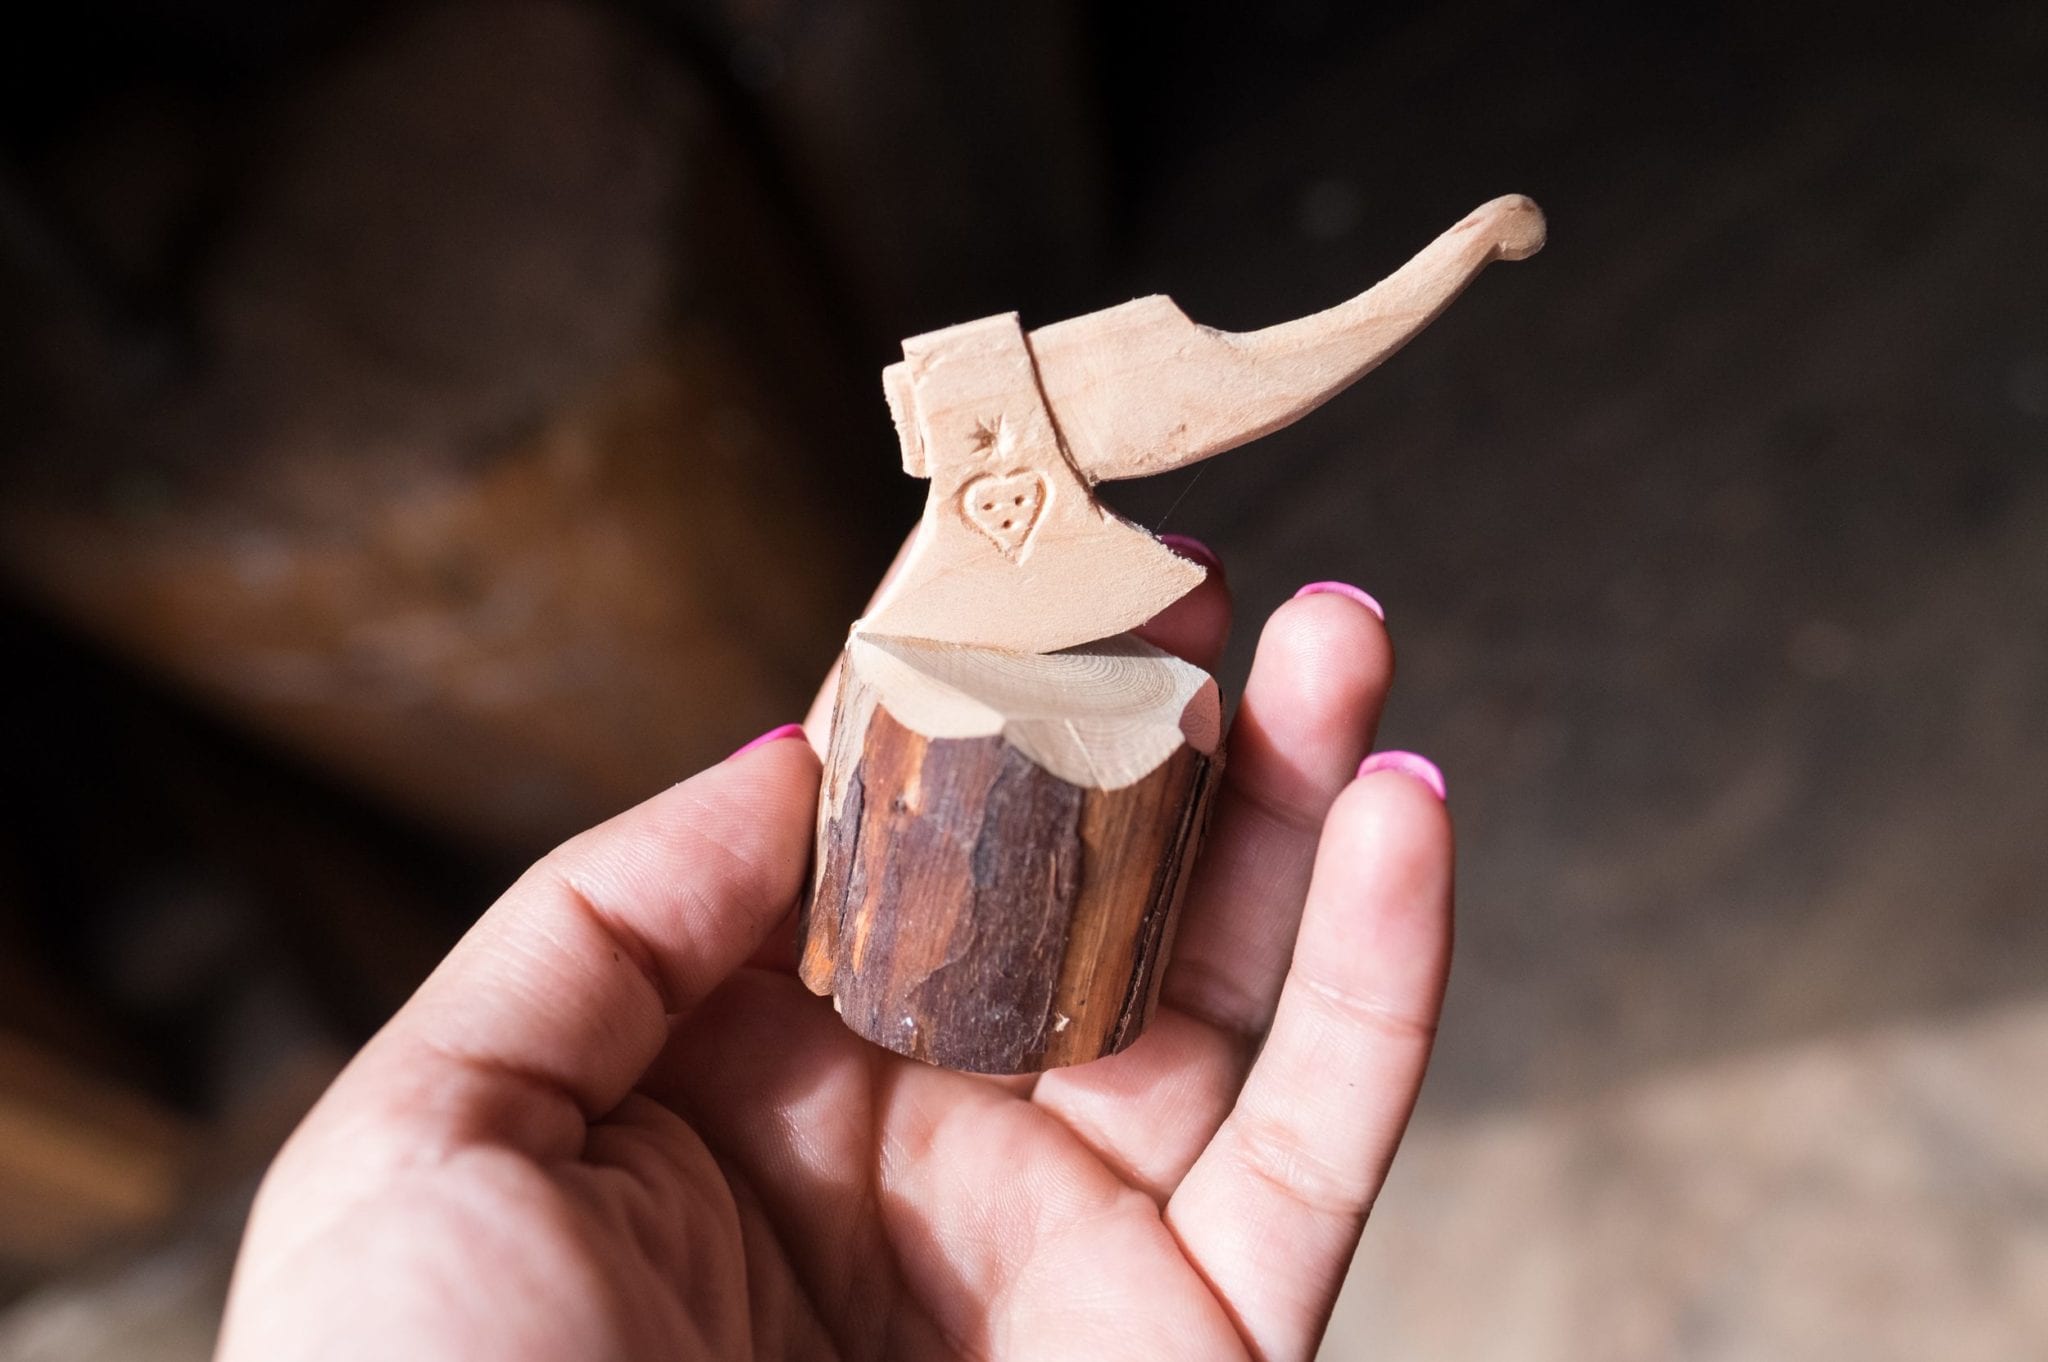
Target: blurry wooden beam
x=81, y=1161
x=478, y=485
x=950, y=157
x=513, y=651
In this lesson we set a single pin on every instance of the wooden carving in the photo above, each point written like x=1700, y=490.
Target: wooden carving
x=1015, y=786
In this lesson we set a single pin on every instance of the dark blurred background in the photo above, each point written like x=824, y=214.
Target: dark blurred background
x=430, y=428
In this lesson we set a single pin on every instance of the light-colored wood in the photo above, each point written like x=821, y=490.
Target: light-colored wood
x=1140, y=389
x=1014, y=552
x=1102, y=715
x=1013, y=430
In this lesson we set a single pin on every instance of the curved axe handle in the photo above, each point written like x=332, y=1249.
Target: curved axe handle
x=1140, y=389
x=1014, y=430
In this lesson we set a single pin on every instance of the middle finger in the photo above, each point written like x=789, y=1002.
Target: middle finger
x=1310, y=709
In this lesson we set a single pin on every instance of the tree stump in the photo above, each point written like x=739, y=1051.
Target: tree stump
x=1003, y=843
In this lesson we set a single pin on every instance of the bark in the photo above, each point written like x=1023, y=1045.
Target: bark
x=971, y=909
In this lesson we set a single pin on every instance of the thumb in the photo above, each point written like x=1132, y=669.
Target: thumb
x=563, y=990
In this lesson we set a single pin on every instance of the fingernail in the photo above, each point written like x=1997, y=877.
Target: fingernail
x=772, y=735
x=1342, y=589
x=1408, y=764
x=1187, y=546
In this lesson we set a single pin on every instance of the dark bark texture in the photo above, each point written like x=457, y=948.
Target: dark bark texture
x=972, y=910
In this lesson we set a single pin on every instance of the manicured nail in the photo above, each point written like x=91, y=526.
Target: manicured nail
x=1342, y=589
x=772, y=735
x=1187, y=546
x=1408, y=764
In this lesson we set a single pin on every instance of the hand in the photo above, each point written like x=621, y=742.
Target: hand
x=612, y=1124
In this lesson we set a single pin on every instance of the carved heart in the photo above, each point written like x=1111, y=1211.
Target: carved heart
x=1005, y=507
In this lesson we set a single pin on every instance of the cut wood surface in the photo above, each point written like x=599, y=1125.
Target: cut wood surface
x=1102, y=715
x=992, y=908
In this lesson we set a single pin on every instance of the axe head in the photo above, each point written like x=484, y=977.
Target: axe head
x=1015, y=429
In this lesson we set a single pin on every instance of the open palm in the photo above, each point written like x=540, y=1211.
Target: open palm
x=614, y=1125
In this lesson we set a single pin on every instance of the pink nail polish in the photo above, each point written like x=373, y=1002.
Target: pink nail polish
x=772, y=735
x=1408, y=764
x=1342, y=589
x=1187, y=546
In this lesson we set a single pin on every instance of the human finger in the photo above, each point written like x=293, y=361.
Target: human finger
x=549, y=1009
x=1308, y=715
x=1272, y=1210
x=1196, y=626
x=1311, y=707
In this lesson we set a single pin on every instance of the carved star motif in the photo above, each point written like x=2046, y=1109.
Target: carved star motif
x=988, y=435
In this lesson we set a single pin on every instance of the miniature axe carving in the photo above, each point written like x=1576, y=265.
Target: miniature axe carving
x=1015, y=786
x=1014, y=429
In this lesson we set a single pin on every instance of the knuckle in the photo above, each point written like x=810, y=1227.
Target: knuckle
x=1371, y=1012
x=1279, y=1157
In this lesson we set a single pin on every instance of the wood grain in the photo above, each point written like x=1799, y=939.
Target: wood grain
x=974, y=910
x=1014, y=430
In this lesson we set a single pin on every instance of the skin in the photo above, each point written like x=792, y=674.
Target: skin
x=612, y=1124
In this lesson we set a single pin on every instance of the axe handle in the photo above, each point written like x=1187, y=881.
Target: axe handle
x=1140, y=389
